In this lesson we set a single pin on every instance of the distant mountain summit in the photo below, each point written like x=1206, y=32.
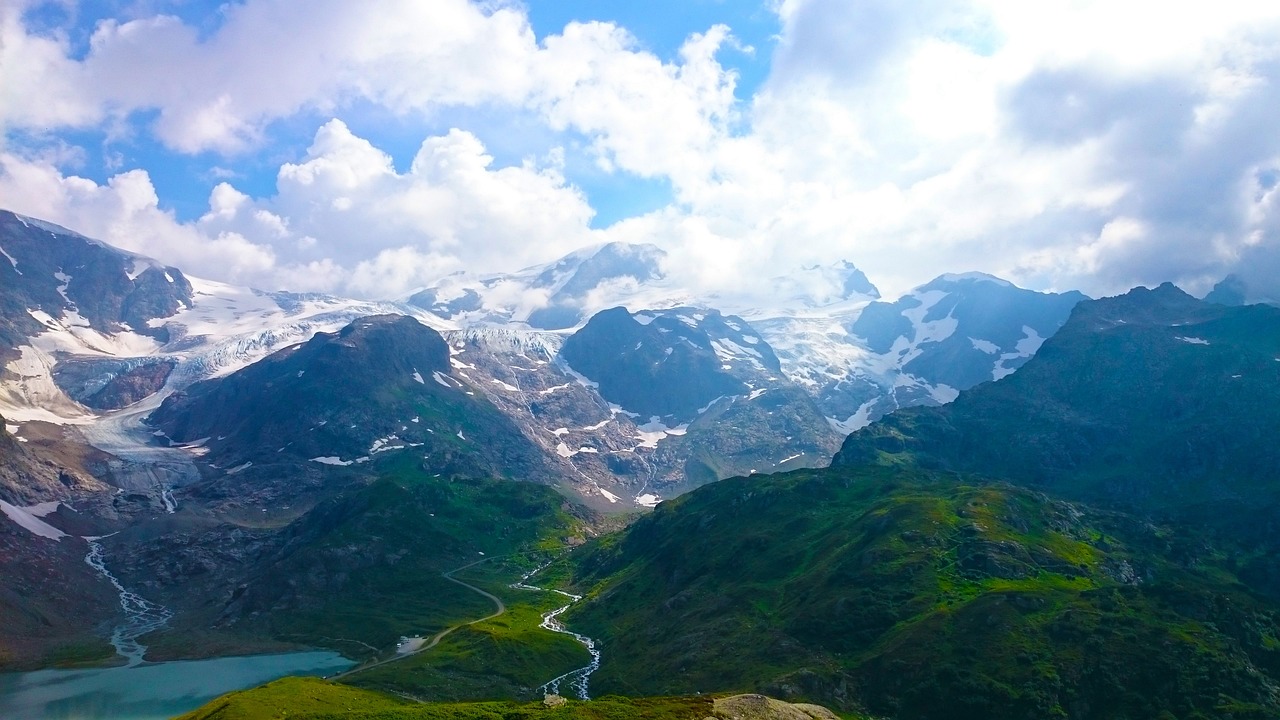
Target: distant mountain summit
x=945, y=336
x=671, y=363
x=53, y=278
x=554, y=296
x=1152, y=400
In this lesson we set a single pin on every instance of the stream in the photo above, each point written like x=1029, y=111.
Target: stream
x=141, y=615
x=576, y=680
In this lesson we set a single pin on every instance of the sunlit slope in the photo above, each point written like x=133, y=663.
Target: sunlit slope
x=920, y=595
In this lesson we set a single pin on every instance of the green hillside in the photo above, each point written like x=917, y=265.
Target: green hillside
x=365, y=567
x=312, y=699
x=1152, y=401
x=922, y=595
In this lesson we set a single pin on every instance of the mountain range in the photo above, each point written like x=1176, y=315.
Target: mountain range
x=1037, y=505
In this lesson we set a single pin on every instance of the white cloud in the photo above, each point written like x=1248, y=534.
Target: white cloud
x=343, y=219
x=1062, y=143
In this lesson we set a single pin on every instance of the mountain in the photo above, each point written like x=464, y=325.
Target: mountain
x=1231, y=290
x=670, y=364
x=1152, y=401
x=710, y=387
x=297, y=439
x=1091, y=536
x=945, y=336
x=58, y=279
x=555, y=296
x=381, y=384
x=917, y=595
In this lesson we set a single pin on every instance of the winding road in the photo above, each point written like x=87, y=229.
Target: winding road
x=435, y=640
x=576, y=679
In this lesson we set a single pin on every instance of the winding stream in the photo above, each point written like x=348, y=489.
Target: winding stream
x=141, y=615
x=574, y=679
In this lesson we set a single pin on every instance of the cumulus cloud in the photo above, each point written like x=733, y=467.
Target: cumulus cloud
x=342, y=220
x=1091, y=145
x=346, y=202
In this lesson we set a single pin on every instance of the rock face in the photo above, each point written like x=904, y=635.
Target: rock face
x=82, y=282
x=110, y=384
x=617, y=457
x=672, y=363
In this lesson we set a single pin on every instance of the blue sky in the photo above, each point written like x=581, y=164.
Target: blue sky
x=183, y=180
x=369, y=148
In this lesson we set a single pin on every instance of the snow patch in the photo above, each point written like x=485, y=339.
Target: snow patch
x=943, y=393
x=1193, y=340
x=442, y=379
x=854, y=422
x=608, y=495
x=418, y=376
x=581, y=379
x=707, y=407
x=648, y=500
x=654, y=431
x=240, y=468
x=29, y=519
x=615, y=409
x=12, y=262
x=332, y=460
x=985, y=346
x=384, y=444
x=1026, y=347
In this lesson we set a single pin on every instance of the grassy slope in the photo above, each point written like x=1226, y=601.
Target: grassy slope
x=1151, y=401
x=506, y=657
x=313, y=699
x=365, y=567
x=922, y=596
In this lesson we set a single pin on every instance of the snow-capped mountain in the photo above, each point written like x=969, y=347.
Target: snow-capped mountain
x=87, y=326
x=945, y=336
x=670, y=364
x=630, y=385
x=563, y=294
x=554, y=296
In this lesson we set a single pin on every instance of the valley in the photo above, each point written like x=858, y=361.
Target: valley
x=973, y=501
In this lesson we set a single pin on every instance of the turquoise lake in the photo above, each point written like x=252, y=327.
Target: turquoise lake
x=149, y=691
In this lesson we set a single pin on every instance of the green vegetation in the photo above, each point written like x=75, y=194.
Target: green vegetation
x=506, y=657
x=922, y=595
x=312, y=699
x=365, y=568
x=81, y=654
x=1151, y=402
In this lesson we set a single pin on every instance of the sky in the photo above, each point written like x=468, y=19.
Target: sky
x=368, y=149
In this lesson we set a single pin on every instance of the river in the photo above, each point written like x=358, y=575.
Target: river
x=577, y=679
